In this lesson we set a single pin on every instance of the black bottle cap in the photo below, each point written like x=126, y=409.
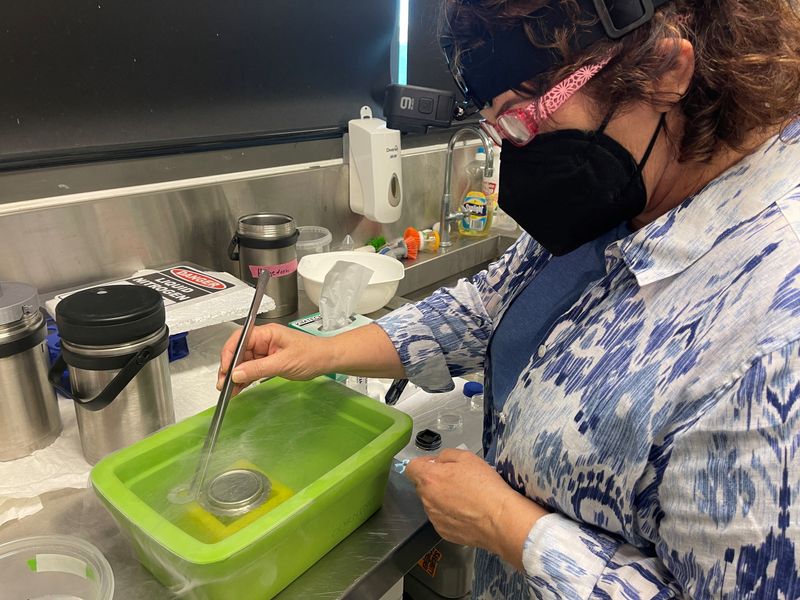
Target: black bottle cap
x=428, y=440
x=110, y=314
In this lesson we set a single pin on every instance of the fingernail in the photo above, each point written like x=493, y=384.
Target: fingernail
x=238, y=376
x=220, y=382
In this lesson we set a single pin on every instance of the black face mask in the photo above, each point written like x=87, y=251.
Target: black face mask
x=568, y=187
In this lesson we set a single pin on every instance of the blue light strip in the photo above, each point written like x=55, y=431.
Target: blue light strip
x=402, y=36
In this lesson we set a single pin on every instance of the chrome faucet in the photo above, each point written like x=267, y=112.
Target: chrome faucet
x=446, y=216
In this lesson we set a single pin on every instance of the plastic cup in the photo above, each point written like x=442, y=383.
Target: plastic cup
x=449, y=422
x=313, y=239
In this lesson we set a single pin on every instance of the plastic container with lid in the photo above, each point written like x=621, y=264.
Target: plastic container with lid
x=29, y=417
x=313, y=239
x=473, y=391
x=490, y=185
x=54, y=566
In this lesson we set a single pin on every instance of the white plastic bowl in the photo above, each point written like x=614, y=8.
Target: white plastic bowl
x=386, y=276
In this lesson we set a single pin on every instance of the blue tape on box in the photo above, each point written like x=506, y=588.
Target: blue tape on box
x=313, y=324
x=178, y=346
x=54, y=349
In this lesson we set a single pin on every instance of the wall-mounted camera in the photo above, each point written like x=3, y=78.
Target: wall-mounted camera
x=413, y=109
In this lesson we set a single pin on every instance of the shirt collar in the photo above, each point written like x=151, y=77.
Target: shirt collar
x=676, y=240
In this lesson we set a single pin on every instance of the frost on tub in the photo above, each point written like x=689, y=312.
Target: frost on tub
x=293, y=448
x=298, y=467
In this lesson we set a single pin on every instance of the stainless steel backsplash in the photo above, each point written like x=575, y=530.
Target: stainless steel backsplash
x=65, y=244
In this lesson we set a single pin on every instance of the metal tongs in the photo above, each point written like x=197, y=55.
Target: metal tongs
x=227, y=389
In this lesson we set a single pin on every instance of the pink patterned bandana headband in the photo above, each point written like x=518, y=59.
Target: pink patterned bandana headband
x=520, y=125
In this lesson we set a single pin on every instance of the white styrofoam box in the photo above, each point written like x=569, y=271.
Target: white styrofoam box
x=194, y=297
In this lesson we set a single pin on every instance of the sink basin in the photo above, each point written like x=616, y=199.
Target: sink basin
x=326, y=452
x=429, y=272
x=465, y=258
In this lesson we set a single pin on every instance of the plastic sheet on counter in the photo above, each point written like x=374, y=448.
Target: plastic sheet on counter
x=13, y=508
x=61, y=465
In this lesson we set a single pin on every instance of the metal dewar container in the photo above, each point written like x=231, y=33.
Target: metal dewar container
x=445, y=572
x=114, y=342
x=266, y=241
x=29, y=417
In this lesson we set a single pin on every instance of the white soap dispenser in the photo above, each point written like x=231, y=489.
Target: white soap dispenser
x=376, y=175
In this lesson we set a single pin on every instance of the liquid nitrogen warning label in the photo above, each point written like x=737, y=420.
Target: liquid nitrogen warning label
x=181, y=284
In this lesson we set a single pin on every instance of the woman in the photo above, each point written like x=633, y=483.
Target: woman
x=641, y=342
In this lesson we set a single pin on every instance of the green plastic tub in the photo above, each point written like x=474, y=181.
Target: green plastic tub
x=327, y=451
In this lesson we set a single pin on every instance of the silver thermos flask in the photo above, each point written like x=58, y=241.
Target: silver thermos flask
x=29, y=417
x=266, y=242
x=114, y=343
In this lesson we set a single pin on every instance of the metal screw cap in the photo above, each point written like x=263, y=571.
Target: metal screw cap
x=428, y=440
x=17, y=300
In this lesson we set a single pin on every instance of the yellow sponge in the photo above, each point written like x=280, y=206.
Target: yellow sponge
x=209, y=528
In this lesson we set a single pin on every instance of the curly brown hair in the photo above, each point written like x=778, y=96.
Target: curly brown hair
x=747, y=62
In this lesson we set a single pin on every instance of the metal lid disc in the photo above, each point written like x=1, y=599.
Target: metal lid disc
x=236, y=492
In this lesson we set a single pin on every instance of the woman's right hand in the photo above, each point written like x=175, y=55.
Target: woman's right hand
x=276, y=350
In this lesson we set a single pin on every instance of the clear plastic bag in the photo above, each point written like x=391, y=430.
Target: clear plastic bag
x=342, y=287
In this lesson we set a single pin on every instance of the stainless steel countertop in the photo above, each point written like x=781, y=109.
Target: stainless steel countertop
x=363, y=566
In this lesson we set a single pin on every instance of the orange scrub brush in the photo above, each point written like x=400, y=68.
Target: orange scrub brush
x=427, y=240
x=412, y=244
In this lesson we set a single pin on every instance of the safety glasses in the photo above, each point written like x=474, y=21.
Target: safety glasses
x=520, y=125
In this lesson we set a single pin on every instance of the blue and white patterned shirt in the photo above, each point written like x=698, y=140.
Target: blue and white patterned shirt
x=660, y=419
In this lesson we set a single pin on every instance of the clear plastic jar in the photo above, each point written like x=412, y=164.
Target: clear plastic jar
x=473, y=392
x=313, y=239
x=55, y=566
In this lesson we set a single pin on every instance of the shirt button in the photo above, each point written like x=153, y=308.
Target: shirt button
x=541, y=351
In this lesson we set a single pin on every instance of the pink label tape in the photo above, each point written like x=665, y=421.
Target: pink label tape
x=280, y=270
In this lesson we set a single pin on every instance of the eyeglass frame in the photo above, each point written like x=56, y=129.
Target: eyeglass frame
x=539, y=109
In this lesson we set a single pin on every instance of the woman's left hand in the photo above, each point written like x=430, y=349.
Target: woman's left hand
x=469, y=503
